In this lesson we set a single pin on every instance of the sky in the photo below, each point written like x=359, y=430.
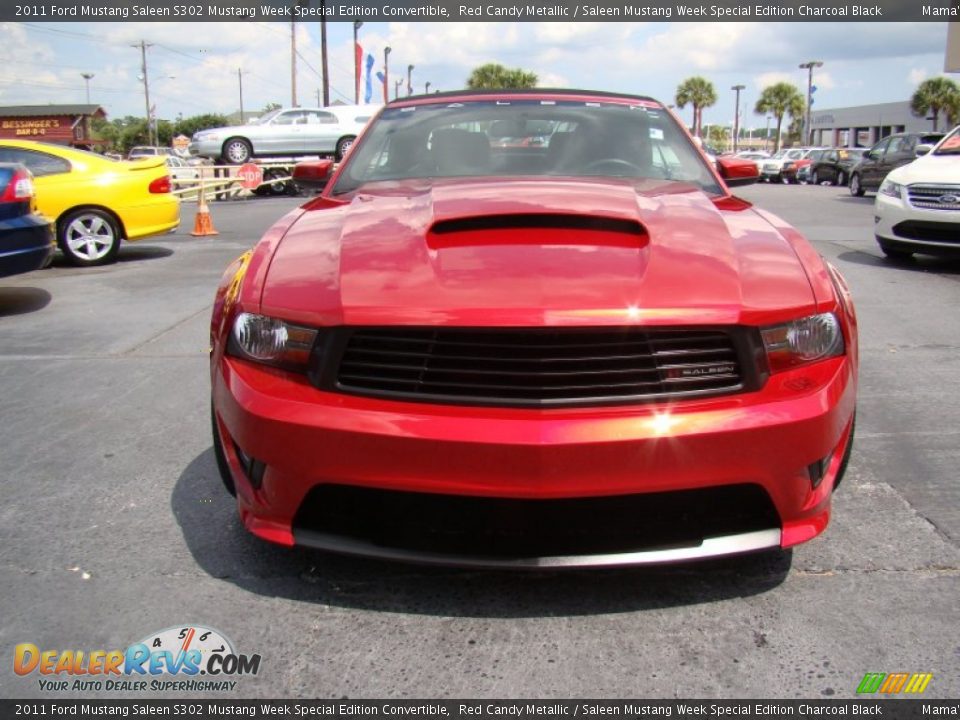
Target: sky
x=192, y=67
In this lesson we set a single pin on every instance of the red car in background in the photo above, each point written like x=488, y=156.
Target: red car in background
x=581, y=352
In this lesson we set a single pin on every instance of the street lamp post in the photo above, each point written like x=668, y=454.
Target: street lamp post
x=809, y=66
x=396, y=88
x=766, y=136
x=736, y=117
x=86, y=78
x=386, y=74
x=409, y=80
x=357, y=24
x=426, y=89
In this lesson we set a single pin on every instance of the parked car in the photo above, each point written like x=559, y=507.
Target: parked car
x=776, y=168
x=802, y=166
x=917, y=207
x=540, y=356
x=888, y=154
x=95, y=201
x=291, y=131
x=834, y=165
x=26, y=238
x=141, y=151
x=180, y=171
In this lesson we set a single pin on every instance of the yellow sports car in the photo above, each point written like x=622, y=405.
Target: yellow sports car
x=95, y=201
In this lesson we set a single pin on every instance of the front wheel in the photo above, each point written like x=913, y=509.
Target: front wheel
x=815, y=178
x=89, y=237
x=237, y=151
x=223, y=467
x=856, y=189
x=841, y=179
x=343, y=145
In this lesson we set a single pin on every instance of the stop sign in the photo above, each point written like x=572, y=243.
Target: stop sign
x=250, y=176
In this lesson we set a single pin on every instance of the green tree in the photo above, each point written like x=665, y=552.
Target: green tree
x=718, y=136
x=935, y=95
x=494, y=76
x=700, y=93
x=188, y=126
x=778, y=100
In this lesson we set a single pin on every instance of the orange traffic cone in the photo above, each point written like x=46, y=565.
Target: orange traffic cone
x=202, y=223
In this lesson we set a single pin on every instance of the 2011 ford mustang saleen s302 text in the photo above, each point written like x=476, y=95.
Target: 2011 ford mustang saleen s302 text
x=533, y=328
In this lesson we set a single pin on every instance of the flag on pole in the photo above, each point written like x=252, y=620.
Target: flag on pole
x=359, y=63
x=368, y=90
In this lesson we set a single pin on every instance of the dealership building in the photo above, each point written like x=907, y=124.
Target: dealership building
x=864, y=125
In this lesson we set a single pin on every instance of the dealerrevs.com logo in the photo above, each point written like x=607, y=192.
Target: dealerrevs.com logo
x=188, y=658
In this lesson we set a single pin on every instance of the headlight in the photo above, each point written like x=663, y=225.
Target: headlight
x=203, y=137
x=802, y=341
x=271, y=341
x=891, y=189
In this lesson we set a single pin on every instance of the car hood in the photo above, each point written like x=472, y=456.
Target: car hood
x=530, y=253
x=929, y=169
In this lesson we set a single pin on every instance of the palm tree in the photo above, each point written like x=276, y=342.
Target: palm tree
x=934, y=95
x=700, y=93
x=780, y=99
x=494, y=76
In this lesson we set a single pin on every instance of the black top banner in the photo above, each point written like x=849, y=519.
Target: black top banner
x=482, y=10
x=901, y=709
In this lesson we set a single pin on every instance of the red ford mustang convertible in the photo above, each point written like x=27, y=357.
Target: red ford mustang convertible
x=533, y=328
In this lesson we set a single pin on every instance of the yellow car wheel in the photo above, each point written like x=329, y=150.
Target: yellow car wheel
x=89, y=237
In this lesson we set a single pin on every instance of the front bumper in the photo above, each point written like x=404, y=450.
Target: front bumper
x=308, y=438
x=901, y=226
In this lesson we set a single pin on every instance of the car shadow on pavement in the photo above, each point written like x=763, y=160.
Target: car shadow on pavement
x=918, y=263
x=127, y=253
x=22, y=300
x=225, y=550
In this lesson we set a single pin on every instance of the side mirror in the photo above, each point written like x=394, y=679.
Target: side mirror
x=737, y=172
x=923, y=149
x=312, y=174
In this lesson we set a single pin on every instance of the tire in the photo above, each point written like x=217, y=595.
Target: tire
x=88, y=237
x=222, y=466
x=842, y=470
x=841, y=180
x=894, y=253
x=237, y=151
x=815, y=178
x=856, y=189
x=343, y=145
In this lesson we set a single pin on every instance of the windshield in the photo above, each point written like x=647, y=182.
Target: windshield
x=950, y=144
x=496, y=138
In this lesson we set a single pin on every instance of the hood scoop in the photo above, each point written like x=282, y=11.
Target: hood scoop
x=536, y=229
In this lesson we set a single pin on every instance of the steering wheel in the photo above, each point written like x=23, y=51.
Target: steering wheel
x=625, y=167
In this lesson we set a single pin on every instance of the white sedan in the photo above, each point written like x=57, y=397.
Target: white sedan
x=289, y=132
x=917, y=209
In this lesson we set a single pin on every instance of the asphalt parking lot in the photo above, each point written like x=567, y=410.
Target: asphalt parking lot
x=115, y=525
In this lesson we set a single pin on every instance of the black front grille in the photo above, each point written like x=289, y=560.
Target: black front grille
x=538, y=366
x=942, y=232
x=517, y=528
x=934, y=197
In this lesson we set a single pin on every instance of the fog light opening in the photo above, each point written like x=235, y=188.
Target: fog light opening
x=818, y=469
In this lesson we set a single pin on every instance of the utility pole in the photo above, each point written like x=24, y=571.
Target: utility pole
x=809, y=66
x=240, y=80
x=146, y=86
x=357, y=24
x=86, y=77
x=386, y=74
x=736, y=117
x=323, y=53
x=293, y=64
